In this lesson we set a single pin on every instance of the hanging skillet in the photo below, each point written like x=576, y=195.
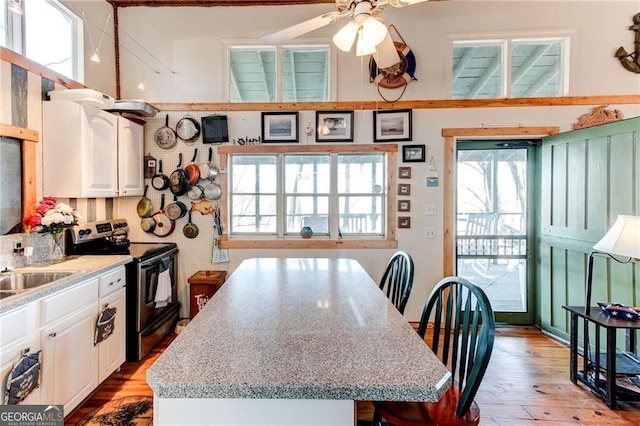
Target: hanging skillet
x=188, y=129
x=179, y=179
x=192, y=169
x=145, y=206
x=165, y=136
x=164, y=226
x=190, y=230
x=160, y=181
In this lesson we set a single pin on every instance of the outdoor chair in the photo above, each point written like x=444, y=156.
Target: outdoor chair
x=463, y=335
x=397, y=279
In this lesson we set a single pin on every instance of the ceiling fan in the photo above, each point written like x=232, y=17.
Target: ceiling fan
x=364, y=25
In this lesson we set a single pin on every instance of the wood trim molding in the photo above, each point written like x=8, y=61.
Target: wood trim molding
x=416, y=104
x=267, y=148
x=449, y=214
x=308, y=244
x=35, y=68
x=29, y=139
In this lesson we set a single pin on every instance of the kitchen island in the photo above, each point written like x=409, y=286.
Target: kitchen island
x=292, y=342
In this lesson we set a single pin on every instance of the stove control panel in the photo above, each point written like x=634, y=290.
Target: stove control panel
x=100, y=229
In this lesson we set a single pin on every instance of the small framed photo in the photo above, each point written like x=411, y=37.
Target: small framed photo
x=413, y=153
x=334, y=126
x=404, y=189
x=404, y=222
x=404, y=172
x=279, y=127
x=392, y=125
x=404, y=205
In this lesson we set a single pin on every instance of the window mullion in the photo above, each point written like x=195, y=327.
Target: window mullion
x=280, y=197
x=334, y=199
x=278, y=74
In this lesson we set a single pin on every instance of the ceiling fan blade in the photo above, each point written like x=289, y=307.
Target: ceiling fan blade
x=302, y=28
x=403, y=3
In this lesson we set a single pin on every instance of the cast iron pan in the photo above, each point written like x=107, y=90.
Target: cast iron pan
x=179, y=179
x=160, y=181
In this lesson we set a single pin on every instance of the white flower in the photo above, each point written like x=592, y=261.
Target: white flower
x=64, y=208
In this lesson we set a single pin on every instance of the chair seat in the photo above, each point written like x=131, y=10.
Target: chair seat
x=441, y=413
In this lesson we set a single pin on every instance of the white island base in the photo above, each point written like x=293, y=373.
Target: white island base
x=252, y=412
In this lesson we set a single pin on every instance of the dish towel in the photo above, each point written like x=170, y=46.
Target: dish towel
x=163, y=291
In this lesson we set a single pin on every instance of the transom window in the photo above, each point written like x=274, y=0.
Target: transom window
x=52, y=36
x=509, y=68
x=279, y=74
x=340, y=191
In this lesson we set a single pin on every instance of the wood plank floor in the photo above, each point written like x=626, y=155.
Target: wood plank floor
x=527, y=382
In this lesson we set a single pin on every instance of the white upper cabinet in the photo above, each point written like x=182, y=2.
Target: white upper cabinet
x=90, y=153
x=130, y=158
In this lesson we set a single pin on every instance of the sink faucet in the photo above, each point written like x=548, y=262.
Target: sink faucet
x=5, y=269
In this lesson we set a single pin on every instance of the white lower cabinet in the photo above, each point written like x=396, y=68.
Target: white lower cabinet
x=70, y=361
x=63, y=325
x=111, y=351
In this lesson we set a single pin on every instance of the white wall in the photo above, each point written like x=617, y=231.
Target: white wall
x=189, y=41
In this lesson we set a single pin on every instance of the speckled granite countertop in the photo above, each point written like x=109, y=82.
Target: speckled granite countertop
x=84, y=267
x=299, y=329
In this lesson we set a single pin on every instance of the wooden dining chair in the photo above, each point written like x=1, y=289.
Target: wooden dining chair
x=463, y=335
x=397, y=279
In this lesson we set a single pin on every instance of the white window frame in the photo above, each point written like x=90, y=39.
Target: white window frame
x=506, y=42
x=17, y=35
x=387, y=240
x=252, y=44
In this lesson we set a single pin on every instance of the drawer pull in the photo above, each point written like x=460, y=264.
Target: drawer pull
x=115, y=282
x=52, y=335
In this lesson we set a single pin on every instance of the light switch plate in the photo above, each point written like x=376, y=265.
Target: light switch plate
x=430, y=232
x=431, y=209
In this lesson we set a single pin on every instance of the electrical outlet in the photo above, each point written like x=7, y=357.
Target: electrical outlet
x=430, y=232
x=431, y=209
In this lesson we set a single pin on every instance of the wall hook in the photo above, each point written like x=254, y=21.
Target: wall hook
x=630, y=60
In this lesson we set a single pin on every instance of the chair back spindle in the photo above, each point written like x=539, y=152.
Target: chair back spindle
x=397, y=279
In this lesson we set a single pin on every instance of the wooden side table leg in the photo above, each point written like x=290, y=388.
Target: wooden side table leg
x=573, y=349
x=611, y=368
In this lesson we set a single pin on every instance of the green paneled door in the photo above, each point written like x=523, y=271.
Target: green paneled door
x=588, y=178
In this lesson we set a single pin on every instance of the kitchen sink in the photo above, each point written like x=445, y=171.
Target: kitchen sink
x=15, y=281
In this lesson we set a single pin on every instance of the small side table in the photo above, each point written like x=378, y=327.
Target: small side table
x=592, y=365
x=202, y=286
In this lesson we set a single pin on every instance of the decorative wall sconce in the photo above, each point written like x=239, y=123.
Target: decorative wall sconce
x=630, y=60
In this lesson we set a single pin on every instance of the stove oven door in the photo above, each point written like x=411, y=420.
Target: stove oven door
x=150, y=305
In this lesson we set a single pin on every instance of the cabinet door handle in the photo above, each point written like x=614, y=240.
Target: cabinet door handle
x=52, y=335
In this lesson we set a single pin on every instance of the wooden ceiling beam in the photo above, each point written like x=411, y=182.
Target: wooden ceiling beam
x=211, y=3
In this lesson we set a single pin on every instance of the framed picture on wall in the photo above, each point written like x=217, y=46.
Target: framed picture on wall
x=404, y=222
x=390, y=126
x=404, y=172
x=404, y=189
x=334, y=126
x=404, y=205
x=413, y=153
x=279, y=127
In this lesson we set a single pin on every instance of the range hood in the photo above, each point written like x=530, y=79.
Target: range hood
x=137, y=107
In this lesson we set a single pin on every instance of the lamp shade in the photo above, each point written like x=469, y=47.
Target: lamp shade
x=386, y=53
x=373, y=31
x=364, y=46
x=346, y=36
x=623, y=238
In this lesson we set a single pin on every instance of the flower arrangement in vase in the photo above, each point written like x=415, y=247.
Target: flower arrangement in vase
x=52, y=218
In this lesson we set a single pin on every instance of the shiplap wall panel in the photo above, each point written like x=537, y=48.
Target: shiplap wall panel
x=588, y=178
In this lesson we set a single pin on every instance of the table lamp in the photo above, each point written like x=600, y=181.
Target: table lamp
x=622, y=239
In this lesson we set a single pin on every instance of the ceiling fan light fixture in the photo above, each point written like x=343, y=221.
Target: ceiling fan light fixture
x=386, y=53
x=364, y=46
x=344, y=38
x=373, y=31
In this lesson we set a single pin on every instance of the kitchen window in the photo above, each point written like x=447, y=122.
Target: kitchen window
x=340, y=191
x=521, y=68
x=47, y=33
x=280, y=73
